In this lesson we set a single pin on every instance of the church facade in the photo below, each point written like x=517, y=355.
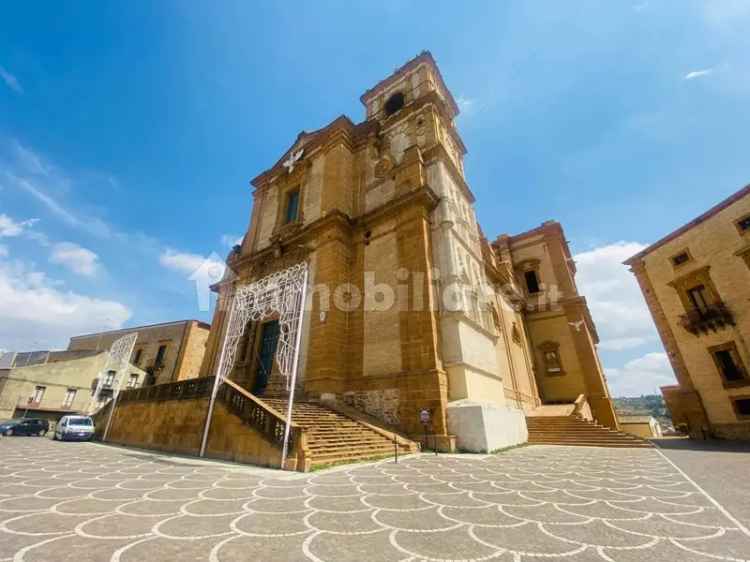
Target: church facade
x=408, y=307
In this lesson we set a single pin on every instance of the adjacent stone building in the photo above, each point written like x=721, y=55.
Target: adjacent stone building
x=50, y=384
x=409, y=307
x=168, y=352
x=645, y=426
x=696, y=282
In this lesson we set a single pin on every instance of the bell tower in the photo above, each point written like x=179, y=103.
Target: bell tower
x=416, y=100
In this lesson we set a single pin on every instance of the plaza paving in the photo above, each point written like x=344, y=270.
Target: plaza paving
x=82, y=501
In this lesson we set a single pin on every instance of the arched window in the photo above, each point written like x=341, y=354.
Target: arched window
x=394, y=103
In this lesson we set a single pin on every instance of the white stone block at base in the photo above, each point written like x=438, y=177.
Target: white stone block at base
x=482, y=427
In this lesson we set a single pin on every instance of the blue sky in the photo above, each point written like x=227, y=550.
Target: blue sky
x=129, y=132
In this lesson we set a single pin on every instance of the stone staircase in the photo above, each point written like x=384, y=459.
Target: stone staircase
x=334, y=438
x=573, y=430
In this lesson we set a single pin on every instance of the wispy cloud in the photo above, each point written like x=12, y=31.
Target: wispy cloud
x=643, y=375
x=202, y=271
x=613, y=294
x=231, y=240
x=10, y=227
x=75, y=258
x=38, y=314
x=10, y=81
x=32, y=162
x=188, y=263
x=467, y=106
x=31, y=173
x=692, y=75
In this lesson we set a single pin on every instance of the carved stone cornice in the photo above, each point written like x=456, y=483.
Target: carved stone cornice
x=438, y=152
x=423, y=196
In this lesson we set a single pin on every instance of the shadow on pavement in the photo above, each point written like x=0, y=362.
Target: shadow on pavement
x=716, y=445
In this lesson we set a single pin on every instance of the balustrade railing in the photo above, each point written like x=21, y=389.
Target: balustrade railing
x=251, y=410
x=180, y=390
x=257, y=414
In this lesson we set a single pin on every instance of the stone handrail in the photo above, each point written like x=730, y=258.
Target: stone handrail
x=264, y=419
x=250, y=409
x=181, y=390
x=582, y=408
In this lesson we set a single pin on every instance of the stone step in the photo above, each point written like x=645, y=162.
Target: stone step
x=335, y=438
x=572, y=430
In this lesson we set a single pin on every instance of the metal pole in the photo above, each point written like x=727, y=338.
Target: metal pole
x=295, y=362
x=111, y=413
x=217, y=381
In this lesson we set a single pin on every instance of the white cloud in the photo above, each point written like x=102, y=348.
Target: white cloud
x=203, y=272
x=467, y=106
x=185, y=262
x=231, y=240
x=698, y=73
x=3, y=251
x=9, y=227
x=622, y=318
x=38, y=313
x=76, y=258
x=617, y=305
x=621, y=344
x=11, y=81
x=643, y=375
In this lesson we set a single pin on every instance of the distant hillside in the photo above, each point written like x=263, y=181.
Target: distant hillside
x=652, y=404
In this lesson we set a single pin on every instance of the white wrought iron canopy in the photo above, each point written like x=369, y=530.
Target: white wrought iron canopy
x=281, y=294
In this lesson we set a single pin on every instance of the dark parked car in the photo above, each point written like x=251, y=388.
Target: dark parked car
x=24, y=426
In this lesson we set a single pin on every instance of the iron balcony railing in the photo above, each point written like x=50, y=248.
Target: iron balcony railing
x=711, y=318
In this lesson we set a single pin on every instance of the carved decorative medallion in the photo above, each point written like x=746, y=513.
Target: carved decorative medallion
x=383, y=167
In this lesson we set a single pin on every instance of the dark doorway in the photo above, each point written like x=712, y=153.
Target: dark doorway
x=269, y=338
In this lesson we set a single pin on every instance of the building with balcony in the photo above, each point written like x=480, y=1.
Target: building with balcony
x=696, y=282
x=50, y=384
x=167, y=352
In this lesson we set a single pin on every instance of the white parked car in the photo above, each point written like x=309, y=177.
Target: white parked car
x=74, y=428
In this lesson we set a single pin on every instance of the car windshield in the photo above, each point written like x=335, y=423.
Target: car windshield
x=80, y=421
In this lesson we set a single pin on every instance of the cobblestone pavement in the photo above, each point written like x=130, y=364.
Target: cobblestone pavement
x=81, y=501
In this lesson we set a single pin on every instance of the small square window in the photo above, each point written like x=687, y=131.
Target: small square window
x=679, y=259
x=743, y=225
